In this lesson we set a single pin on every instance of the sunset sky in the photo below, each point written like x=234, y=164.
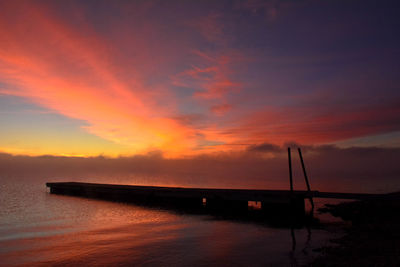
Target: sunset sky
x=87, y=78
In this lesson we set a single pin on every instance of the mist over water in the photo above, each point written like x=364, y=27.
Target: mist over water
x=330, y=168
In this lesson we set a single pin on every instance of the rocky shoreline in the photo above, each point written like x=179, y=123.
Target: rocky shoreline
x=372, y=237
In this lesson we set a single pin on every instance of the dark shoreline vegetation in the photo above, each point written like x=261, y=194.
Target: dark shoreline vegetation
x=372, y=237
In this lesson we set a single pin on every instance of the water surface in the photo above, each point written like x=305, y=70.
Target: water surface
x=38, y=228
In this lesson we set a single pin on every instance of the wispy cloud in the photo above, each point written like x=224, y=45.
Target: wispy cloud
x=211, y=77
x=213, y=80
x=221, y=109
x=67, y=71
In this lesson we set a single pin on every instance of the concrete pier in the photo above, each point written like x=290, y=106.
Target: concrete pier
x=228, y=200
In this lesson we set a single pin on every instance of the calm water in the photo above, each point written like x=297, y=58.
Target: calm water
x=37, y=228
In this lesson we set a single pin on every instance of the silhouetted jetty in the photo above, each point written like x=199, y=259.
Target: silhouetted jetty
x=223, y=200
x=217, y=199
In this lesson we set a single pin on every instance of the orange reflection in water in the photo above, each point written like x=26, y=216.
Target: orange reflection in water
x=61, y=230
x=91, y=231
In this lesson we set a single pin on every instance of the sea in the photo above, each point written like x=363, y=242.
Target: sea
x=42, y=229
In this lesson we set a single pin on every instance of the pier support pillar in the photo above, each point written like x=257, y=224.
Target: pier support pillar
x=230, y=206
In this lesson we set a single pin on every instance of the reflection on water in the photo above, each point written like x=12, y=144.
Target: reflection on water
x=37, y=228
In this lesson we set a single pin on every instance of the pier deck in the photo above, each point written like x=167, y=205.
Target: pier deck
x=233, y=199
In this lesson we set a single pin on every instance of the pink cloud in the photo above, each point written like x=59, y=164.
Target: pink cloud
x=313, y=125
x=212, y=81
x=220, y=109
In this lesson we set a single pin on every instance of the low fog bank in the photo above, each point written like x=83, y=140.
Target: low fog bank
x=332, y=168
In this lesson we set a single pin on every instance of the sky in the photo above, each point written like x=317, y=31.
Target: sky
x=188, y=78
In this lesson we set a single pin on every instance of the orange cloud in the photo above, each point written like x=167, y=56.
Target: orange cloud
x=68, y=72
